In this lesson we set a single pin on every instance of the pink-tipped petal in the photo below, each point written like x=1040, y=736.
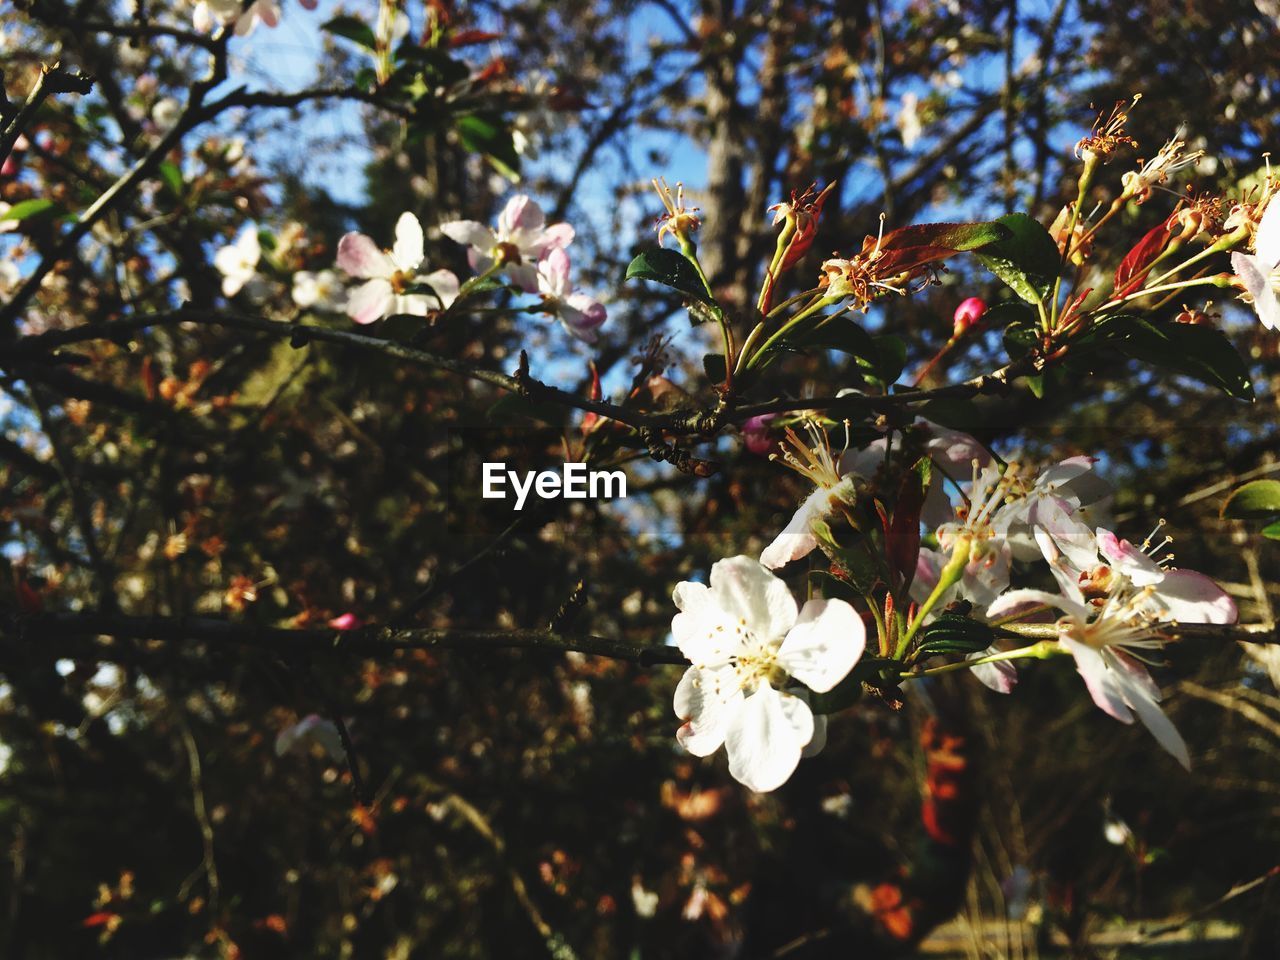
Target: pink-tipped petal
x=360, y=257
x=469, y=233
x=370, y=301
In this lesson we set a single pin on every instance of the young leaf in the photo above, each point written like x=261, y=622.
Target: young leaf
x=951, y=236
x=843, y=335
x=669, y=268
x=1256, y=500
x=1272, y=531
x=1027, y=261
x=952, y=633
x=1137, y=262
x=487, y=135
x=171, y=174
x=351, y=28
x=28, y=209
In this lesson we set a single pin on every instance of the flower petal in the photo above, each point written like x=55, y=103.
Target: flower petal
x=558, y=235
x=1255, y=274
x=755, y=599
x=1266, y=240
x=1190, y=597
x=470, y=233
x=1099, y=678
x=823, y=646
x=1137, y=688
x=370, y=301
x=407, y=252
x=445, y=285
x=1001, y=676
x=705, y=633
x=765, y=737
x=1128, y=559
x=706, y=700
x=360, y=257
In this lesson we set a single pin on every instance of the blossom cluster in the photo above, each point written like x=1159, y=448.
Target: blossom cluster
x=521, y=249
x=756, y=660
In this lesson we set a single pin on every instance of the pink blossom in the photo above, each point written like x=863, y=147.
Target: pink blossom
x=968, y=314
x=577, y=312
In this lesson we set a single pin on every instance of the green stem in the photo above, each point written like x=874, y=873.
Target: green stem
x=947, y=578
x=782, y=331
x=1042, y=650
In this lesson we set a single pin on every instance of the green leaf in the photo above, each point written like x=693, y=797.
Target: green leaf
x=952, y=236
x=1272, y=531
x=714, y=367
x=1203, y=353
x=1028, y=261
x=353, y=29
x=1256, y=500
x=28, y=210
x=672, y=269
x=487, y=135
x=891, y=357
x=171, y=174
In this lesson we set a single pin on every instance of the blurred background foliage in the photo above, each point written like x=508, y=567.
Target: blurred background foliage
x=531, y=803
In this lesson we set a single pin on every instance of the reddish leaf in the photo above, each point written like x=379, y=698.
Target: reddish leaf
x=465, y=38
x=1137, y=263
x=902, y=535
x=952, y=236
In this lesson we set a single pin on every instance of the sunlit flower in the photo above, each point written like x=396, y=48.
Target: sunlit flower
x=392, y=274
x=1116, y=610
x=518, y=243
x=1156, y=171
x=238, y=262
x=679, y=221
x=816, y=463
x=1257, y=271
x=1108, y=134
x=747, y=641
x=578, y=313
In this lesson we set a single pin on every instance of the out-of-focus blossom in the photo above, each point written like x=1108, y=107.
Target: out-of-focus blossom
x=322, y=289
x=166, y=113
x=909, y=124
x=390, y=275
x=520, y=240
x=747, y=641
x=578, y=313
x=346, y=621
x=755, y=432
x=816, y=462
x=238, y=262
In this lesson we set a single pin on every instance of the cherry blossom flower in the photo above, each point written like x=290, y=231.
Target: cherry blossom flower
x=322, y=289
x=815, y=462
x=518, y=243
x=1257, y=271
x=390, y=275
x=577, y=312
x=1114, y=613
x=238, y=262
x=210, y=12
x=747, y=640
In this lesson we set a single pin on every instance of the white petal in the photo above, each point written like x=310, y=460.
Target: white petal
x=706, y=700
x=1190, y=597
x=823, y=646
x=1128, y=559
x=754, y=597
x=1266, y=242
x=1001, y=676
x=360, y=257
x=765, y=737
x=1255, y=274
x=470, y=233
x=1138, y=696
x=370, y=301
x=445, y=285
x=407, y=252
x=1099, y=678
x=705, y=633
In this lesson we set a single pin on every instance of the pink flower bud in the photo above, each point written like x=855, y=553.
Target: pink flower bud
x=967, y=314
x=755, y=431
x=347, y=621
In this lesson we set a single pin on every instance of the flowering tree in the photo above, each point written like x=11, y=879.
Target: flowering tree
x=256, y=582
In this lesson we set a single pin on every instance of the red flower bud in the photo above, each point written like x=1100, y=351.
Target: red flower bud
x=968, y=314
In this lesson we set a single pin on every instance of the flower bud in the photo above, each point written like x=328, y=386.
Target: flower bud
x=967, y=314
x=755, y=431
